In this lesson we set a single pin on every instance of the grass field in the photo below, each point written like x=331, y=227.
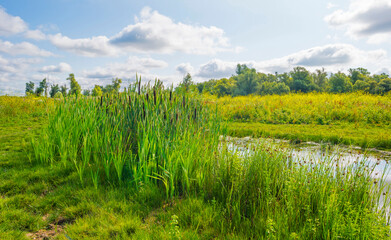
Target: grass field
x=350, y=119
x=148, y=166
x=346, y=134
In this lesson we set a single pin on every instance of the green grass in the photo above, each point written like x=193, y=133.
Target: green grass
x=366, y=136
x=180, y=185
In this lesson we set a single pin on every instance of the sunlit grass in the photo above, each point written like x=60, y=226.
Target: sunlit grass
x=149, y=167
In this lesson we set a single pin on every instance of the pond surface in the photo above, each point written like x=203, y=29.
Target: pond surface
x=379, y=162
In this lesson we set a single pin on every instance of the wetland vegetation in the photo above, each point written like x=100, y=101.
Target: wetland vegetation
x=150, y=163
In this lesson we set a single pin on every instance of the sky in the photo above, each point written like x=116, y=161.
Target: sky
x=99, y=40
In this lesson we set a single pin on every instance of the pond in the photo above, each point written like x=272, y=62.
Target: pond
x=377, y=162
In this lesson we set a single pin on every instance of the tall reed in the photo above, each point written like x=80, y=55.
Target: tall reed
x=147, y=135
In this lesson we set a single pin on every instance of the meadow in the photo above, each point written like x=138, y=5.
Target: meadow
x=350, y=119
x=150, y=164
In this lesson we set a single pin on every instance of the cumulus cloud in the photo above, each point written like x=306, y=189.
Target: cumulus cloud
x=14, y=73
x=333, y=57
x=184, y=68
x=369, y=19
x=152, y=32
x=23, y=48
x=217, y=69
x=10, y=25
x=125, y=70
x=61, y=67
x=35, y=34
x=17, y=64
x=90, y=47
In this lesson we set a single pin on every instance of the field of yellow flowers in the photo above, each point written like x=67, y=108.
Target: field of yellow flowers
x=355, y=118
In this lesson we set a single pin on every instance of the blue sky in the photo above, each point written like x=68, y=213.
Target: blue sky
x=98, y=40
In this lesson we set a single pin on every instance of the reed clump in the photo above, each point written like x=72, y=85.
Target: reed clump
x=147, y=135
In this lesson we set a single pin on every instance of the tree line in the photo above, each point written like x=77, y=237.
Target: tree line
x=248, y=81
x=57, y=91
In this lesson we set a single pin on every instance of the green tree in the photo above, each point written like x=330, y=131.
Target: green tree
x=285, y=78
x=97, y=91
x=356, y=74
x=379, y=77
x=29, y=88
x=186, y=84
x=241, y=68
x=116, y=83
x=54, y=89
x=224, y=87
x=361, y=86
x=269, y=88
x=187, y=81
x=75, y=87
x=373, y=86
x=340, y=83
x=86, y=92
x=385, y=84
x=302, y=80
x=64, y=90
x=320, y=79
x=43, y=85
x=246, y=82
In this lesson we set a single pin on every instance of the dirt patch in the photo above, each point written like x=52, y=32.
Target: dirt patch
x=51, y=231
x=45, y=234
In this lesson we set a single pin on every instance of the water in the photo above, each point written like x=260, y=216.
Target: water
x=378, y=162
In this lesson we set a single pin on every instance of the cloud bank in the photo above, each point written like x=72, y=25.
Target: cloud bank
x=333, y=57
x=152, y=32
x=370, y=19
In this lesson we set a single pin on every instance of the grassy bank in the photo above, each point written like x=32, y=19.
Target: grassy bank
x=146, y=165
x=346, y=134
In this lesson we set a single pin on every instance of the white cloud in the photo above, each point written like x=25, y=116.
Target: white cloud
x=331, y=5
x=14, y=73
x=90, y=47
x=125, y=70
x=10, y=25
x=152, y=32
x=17, y=64
x=217, y=69
x=35, y=34
x=184, y=68
x=23, y=48
x=370, y=19
x=333, y=57
x=61, y=67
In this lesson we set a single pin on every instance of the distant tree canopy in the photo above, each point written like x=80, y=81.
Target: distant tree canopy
x=75, y=87
x=97, y=91
x=29, y=88
x=113, y=87
x=54, y=89
x=187, y=84
x=42, y=88
x=247, y=81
